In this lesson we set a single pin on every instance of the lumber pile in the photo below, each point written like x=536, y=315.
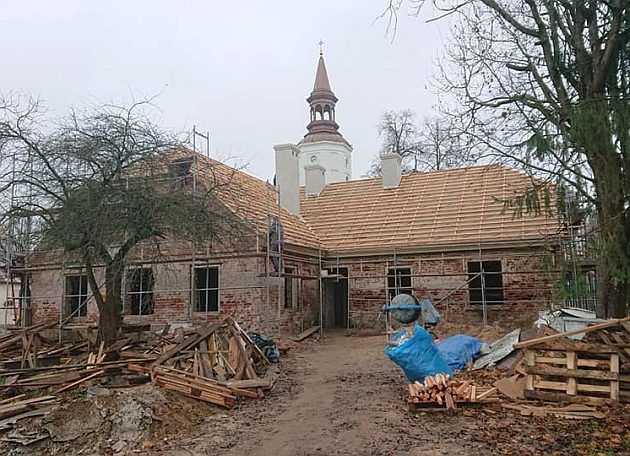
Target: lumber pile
x=593, y=371
x=217, y=364
x=440, y=391
x=222, y=359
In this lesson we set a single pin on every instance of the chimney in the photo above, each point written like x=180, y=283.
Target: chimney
x=391, y=169
x=288, y=177
x=314, y=179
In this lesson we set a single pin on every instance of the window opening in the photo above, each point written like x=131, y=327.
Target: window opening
x=399, y=282
x=141, y=291
x=493, y=280
x=76, y=295
x=207, y=289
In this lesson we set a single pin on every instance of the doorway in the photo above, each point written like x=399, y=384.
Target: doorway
x=336, y=298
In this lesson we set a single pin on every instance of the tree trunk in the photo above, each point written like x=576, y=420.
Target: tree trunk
x=592, y=131
x=109, y=313
x=612, y=274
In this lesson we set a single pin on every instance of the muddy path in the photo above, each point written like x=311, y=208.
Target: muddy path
x=336, y=396
x=340, y=396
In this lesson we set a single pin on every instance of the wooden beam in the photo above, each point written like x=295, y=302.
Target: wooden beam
x=189, y=342
x=308, y=333
x=586, y=329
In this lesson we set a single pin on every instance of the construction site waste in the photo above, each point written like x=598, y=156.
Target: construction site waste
x=266, y=345
x=417, y=356
x=459, y=349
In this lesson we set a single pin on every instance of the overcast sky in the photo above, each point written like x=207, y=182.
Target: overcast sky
x=241, y=70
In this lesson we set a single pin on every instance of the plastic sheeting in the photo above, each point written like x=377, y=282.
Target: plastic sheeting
x=417, y=355
x=457, y=350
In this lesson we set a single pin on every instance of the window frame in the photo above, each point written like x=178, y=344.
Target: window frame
x=131, y=294
x=397, y=277
x=207, y=290
x=494, y=294
x=82, y=297
x=292, y=285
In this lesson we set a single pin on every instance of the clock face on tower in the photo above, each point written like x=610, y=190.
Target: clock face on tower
x=313, y=158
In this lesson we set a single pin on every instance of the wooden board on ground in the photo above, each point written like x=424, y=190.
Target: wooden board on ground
x=512, y=387
x=572, y=411
x=305, y=334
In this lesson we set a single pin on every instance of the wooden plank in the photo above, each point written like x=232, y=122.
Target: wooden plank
x=254, y=383
x=562, y=397
x=572, y=373
x=188, y=342
x=530, y=357
x=571, y=366
x=305, y=334
x=587, y=329
x=550, y=360
x=545, y=384
x=249, y=369
x=594, y=388
x=599, y=363
x=574, y=345
x=490, y=392
x=81, y=381
x=614, y=384
x=13, y=409
x=250, y=342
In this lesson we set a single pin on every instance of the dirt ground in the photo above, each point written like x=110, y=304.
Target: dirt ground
x=336, y=396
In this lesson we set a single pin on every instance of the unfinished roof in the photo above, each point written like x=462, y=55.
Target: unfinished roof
x=249, y=198
x=443, y=208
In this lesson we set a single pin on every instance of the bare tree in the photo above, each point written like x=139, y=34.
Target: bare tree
x=433, y=145
x=100, y=182
x=399, y=135
x=545, y=85
x=442, y=146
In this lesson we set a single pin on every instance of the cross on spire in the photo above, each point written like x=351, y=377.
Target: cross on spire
x=321, y=49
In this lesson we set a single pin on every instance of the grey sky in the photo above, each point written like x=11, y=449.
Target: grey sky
x=239, y=69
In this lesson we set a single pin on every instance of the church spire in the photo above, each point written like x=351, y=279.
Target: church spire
x=322, y=101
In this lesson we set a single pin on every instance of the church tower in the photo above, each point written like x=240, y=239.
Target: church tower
x=323, y=144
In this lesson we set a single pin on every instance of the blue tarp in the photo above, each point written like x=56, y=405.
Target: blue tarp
x=417, y=356
x=457, y=350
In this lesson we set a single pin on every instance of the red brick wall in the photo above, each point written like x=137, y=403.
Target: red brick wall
x=243, y=295
x=527, y=286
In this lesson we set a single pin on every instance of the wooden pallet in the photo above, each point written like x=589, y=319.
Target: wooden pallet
x=615, y=336
x=568, y=370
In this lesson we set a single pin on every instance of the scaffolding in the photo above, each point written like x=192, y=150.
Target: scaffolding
x=269, y=256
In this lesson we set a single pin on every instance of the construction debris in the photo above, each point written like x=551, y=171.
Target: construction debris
x=306, y=334
x=572, y=411
x=563, y=369
x=497, y=350
x=439, y=391
x=210, y=363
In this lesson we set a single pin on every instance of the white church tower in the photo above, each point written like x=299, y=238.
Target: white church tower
x=323, y=144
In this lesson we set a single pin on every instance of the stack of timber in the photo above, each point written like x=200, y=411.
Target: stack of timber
x=593, y=371
x=439, y=391
x=224, y=362
x=216, y=364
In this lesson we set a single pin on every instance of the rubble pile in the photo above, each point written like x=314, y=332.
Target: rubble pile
x=589, y=364
x=217, y=363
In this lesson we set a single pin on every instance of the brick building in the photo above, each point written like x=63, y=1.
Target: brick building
x=318, y=246
x=428, y=234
